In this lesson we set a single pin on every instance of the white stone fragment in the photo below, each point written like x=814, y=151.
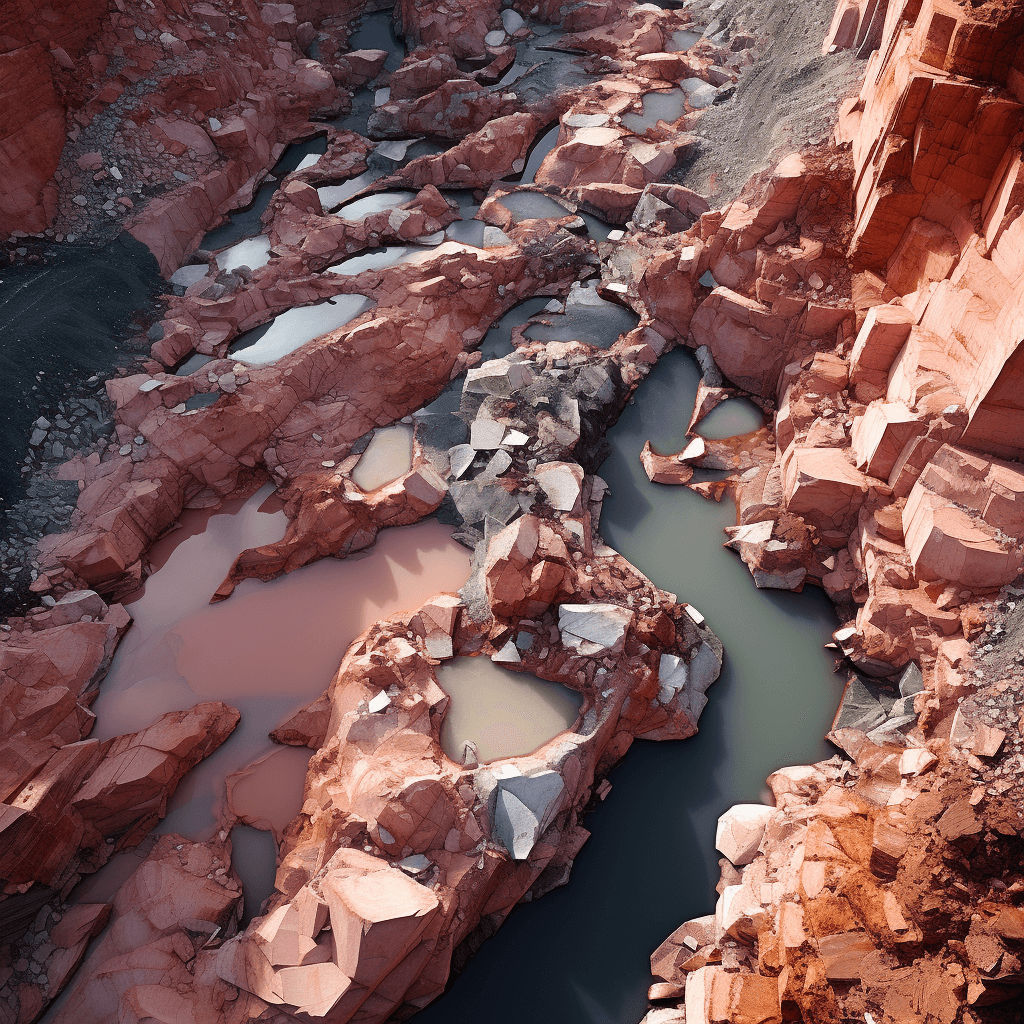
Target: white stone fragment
x=512, y=20
x=439, y=645
x=694, y=450
x=187, y=276
x=589, y=628
x=740, y=831
x=524, y=807
x=378, y=703
x=562, y=482
x=485, y=434
x=509, y=654
x=671, y=677
x=461, y=458
x=916, y=761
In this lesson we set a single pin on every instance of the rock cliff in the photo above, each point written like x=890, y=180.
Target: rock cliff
x=863, y=292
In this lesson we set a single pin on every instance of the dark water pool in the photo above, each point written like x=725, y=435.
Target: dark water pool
x=580, y=954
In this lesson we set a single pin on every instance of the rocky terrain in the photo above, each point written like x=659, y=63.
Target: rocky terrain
x=861, y=286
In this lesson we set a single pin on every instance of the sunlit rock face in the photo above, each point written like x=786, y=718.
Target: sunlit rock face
x=861, y=296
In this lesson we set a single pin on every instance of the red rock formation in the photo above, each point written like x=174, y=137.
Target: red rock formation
x=38, y=61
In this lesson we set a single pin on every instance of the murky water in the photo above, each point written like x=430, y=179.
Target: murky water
x=503, y=712
x=650, y=863
x=387, y=457
x=254, y=858
x=294, y=328
x=540, y=149
x=466, y=230
x=498, y=340
x=376, y=203
x=597, y=323
x=269, y=649
x=733, y=417
x=376, y=31
x=530, y=205
x=375, y=259
x=658, y=106
x=269, y=793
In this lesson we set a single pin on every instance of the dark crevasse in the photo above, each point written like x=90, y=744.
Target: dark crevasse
x=580, y=954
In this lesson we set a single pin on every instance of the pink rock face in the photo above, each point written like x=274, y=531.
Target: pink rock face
x=92, y=790
x=880, y=436
x=823, y=487
x=736, y=330
x=963, y=520
x=459, y=26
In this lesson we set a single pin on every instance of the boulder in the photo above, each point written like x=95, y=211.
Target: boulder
x=594, y=628
x=740, y=831
x=525, y=805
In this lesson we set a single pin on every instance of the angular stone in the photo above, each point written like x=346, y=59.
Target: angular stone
x=590, y=628
x=740, y=831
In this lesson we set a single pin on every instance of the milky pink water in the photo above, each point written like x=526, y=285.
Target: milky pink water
x=268, y=650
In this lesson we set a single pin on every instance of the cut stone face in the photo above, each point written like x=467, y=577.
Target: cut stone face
x=589, y=628
x=562, y=483
x=740, y=831
x=525, y=806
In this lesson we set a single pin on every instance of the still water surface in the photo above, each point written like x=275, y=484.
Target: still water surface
x=580, y=954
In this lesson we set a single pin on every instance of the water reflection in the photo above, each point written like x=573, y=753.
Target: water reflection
x=269, y=649
x=650, y=863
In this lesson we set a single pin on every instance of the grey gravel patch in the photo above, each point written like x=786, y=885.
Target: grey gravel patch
x=785, y=102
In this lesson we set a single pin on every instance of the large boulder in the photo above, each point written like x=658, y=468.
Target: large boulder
x=740, y=831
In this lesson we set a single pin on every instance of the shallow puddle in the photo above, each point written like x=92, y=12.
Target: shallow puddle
x=533, y=205
x=376, y=259
x=598, y=325
x=269, y=649
x=387, y=457
x=730, y=419
x=658, y=106
x=252, y=253
x=498, y=340
x=332, y=195
x=466, y=230
x=503, y=712
x=376, y=203
x=293, y=329
x=535, y=157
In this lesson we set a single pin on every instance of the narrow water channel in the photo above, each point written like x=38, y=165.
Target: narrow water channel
x=580, y=954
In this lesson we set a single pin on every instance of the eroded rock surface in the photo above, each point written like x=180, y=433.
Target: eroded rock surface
x=863, y=292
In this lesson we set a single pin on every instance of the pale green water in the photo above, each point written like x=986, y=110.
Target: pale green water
x=580, y=955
